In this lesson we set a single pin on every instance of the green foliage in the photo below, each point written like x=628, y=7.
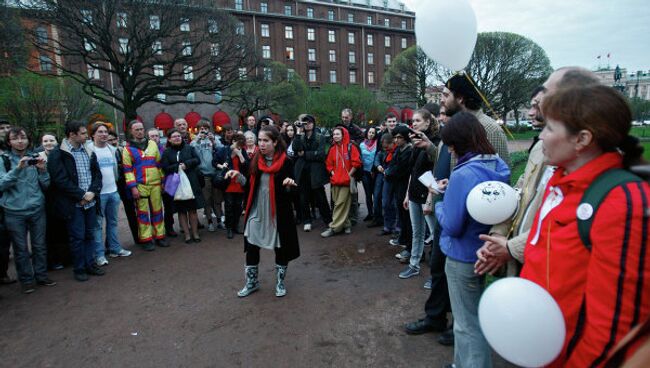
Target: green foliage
x=518, y=162
x=326, y=104
x=640, y=108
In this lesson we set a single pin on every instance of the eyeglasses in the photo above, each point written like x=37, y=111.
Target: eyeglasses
x=398, y=136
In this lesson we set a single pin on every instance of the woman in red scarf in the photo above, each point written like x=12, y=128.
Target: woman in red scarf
x=269, y=216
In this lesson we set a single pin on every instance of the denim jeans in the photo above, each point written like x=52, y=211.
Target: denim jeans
x=377, y=195
x=82, y=227
x=388, y=206
x=110, y=203
x=368, y=187
x=18, y=224
x=465, y=289
x=418, y=222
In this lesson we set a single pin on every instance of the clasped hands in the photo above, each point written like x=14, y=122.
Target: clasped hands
x=492, y=255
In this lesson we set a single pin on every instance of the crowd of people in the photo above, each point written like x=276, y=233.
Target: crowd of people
x=66, y=199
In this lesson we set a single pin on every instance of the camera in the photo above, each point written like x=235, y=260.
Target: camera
x=298, y=123
x=33, y=160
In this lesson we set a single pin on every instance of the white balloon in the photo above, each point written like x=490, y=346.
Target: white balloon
x=492, y=202
x=446, y=31
x=522, y=322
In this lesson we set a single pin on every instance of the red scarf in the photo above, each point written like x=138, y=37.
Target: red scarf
x=389, y=156
x=278, y=161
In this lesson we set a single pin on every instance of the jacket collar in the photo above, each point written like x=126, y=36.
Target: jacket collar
x=588, y=172
x=65, y=147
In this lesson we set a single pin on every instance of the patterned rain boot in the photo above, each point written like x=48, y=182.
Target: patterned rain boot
x=251, y=282
x=280, y=272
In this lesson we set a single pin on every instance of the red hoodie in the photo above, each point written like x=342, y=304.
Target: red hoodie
x=340, y=161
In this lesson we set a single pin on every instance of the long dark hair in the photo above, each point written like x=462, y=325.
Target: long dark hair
x=274, y=134
x=465, y=134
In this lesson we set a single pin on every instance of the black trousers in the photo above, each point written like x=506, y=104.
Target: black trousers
x=5, y=242
x=233, y=203
x=437, y=305
x=313, y=195
x=253, y=257
x=56, y=235
x=129, y=211
x=406, y=231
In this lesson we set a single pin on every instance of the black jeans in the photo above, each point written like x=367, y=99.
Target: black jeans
x=437, y=305
x=168, y=204
x=253, y=257
x=313, y=195
x=129, y=211
x=5, y=242
x=406, y=231
x=368, y=188
x=233, y=203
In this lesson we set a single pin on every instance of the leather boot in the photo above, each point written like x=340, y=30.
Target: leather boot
x=280, y=272
x=251, y=282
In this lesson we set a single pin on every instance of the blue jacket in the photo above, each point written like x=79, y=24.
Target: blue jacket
x=459, y=237
x=368, y=156
x=22, y=189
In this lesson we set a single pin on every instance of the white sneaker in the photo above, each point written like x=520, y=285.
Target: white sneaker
x=221, y=226
x=101, y=261
x=211, y=227
x=307, y=227
x=121, y=253
x=327, y=233
x=348, y=230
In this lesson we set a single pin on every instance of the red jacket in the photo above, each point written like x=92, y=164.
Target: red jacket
x=613, y=279
x=340, y=161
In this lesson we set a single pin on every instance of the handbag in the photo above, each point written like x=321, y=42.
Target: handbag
x=219, y=180
x=171, y=183
x=184, y=191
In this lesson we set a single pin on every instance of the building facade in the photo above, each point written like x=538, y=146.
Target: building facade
x=633, y=85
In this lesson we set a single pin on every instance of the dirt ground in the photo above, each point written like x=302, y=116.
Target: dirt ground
x=177, y=307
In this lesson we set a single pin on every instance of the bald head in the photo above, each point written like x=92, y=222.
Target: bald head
x=571, y=76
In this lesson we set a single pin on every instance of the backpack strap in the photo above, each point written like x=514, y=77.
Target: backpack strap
x=594, y=196
x=7, y=163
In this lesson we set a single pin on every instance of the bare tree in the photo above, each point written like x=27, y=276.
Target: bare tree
x=129, y=52
x=13, y=52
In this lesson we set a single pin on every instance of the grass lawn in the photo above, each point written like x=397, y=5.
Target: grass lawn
x=641, y=132
x=646, y=150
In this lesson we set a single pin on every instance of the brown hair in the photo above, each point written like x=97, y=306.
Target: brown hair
x=204, y=123
x=465, y=134
x=96, y=127
x=434, y=127
x=601, y=110
x=15, y=131
x=274, y=134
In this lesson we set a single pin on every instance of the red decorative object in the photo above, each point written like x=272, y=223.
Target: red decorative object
x=395, y=111
x=125, y=123
x=407, y=114
x=220, y=118
x=192, y=118
x=163, y=121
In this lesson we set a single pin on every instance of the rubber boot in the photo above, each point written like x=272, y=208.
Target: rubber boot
x=280, y=272
x=251, y=282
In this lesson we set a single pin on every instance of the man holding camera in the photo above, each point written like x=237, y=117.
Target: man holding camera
x=205, y=144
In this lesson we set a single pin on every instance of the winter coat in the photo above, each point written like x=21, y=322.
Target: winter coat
x=313, y=160
x=420, y=163
x=459, y=237
x=64, y=180
x=184, y=153
x=22, y=189
x=341, y=158
x=602, y=293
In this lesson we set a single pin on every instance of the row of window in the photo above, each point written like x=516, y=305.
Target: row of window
x=331, y=36
x=331, y=14
x=154, y=22
x=312, y=76
x=311, y=55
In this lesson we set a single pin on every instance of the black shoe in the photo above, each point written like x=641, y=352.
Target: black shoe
x=230, y=234
x=384, y=232
x=7, y=280
x=171, y=234
x=446, y=338
x=149, y=246
x=201, y=226
x=162, y=242
x=28, y=288
x=188, y=240
x=95, y=271
x=81, y=276
x=46, y=282
x=374, y=224
x=367, y=218
x=423, y=325
x=197, y=239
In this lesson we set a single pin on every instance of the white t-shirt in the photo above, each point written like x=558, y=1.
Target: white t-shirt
x=107, y=163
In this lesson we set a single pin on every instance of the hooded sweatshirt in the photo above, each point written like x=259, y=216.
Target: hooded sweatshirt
x=22, y=189
x=342, y=157
x=459, y=237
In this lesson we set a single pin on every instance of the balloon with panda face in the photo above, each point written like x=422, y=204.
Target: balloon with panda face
x=492, y=202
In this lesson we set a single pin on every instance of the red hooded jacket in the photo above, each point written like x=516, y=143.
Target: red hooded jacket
x=340, y=161
x=612, y=280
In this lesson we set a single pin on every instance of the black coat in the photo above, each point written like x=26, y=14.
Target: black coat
x=313, y=161
x=420, y=163
x=169, y=164
x=398, y=171
x=64, y=180
x=283, y=212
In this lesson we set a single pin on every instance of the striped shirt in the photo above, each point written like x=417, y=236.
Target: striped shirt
x=82, y=163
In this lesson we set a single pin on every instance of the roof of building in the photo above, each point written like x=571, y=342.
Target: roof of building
x=379, y=4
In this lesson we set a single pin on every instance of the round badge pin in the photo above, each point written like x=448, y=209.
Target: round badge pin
x=585, y=211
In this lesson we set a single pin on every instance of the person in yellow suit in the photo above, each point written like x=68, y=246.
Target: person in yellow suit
x=144, y=177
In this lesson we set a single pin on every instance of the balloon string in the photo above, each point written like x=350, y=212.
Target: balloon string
x=485, y=100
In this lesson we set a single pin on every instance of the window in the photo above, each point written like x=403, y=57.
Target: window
x=188, y=74
x=45, y=63
x=124, y=45
x=89, y=46
x=403, y=43
x=217, y=74
x=289, y=54
x=332, y=57
x=93, y=71
x=239, y=28
x=87, y=16
x=403, y=24
x=350, y=17
x=266, y=52
x=352, y=57
x=371, y=77
x=331, y=36
x=191, y=97
x=187, y=48
x=371, y=58
x=239, y=4
x=161, y=97
x=370, y=40
x=158, y=70
x=387, y=41
x=157, y=47
x=386, y=22
x=264, y=7
x=330, y=14
x=310, y=12
x=288, y=32
x=291, y=73
x=268, y=74
x=213, y=26
x=312, y=75
x=185, y=25
x=369, y=20
x=332, y=76
x=387, y=59
x=265, y=30
x=311, y=34
x=121, y=20
x=311, y=55
x=288, y=10
x=242, y=73
x=353, y=77
x=154, y=22
x=351, y=38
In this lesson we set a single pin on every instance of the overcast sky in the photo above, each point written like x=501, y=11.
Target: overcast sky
x=573, y=32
